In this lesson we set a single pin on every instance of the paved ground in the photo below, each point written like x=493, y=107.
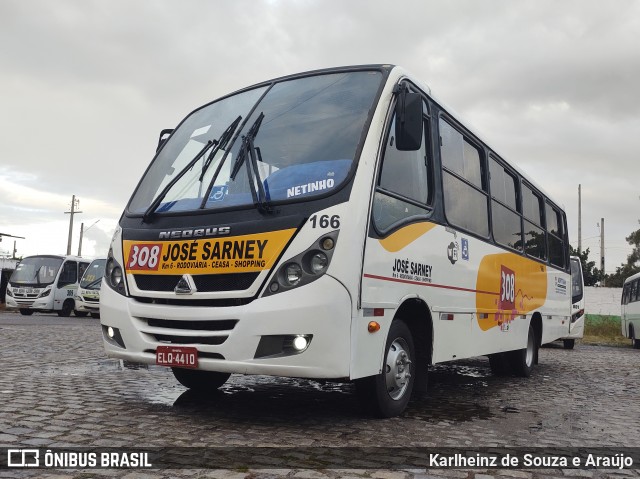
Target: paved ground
x=58, y=389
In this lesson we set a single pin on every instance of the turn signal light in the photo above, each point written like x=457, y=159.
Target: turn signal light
x=373, y=326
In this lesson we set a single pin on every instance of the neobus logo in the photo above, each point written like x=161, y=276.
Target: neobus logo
x=196, y=233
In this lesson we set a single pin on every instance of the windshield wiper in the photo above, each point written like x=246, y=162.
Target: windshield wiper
x=222, y=144
x=249, y=150
x=93, y=283
x=216, y=147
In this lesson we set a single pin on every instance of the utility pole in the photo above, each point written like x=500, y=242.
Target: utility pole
x=579, y=218
x=74, y=211
x=602, y=248
x=82, y=231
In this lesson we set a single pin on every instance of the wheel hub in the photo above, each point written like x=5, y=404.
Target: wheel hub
x=397, y=369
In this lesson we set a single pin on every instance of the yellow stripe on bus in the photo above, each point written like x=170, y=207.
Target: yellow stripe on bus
x=404, y=236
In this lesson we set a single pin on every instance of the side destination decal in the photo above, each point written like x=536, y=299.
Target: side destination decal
x=519, y=286
x=404, y=236
x=236, y=254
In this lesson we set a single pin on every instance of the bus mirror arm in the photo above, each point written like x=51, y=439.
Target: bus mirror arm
x=164, y=134
x=408, y=121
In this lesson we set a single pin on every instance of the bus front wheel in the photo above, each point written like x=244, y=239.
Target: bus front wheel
x=26, y=312
x=569, y=343
x=387, y=394
x=67, y=307
x=198, y=380
x=80, y=314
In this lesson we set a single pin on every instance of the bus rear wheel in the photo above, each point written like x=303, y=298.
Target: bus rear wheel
x=26, y=312
x=634, y=342
x=198, y=380
x=522, y=360
x=569, y=343
x=387, y=394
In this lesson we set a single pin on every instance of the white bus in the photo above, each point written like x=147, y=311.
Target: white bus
x=630, y=319
x=334, y=224
x=88, y=293
x=576, y=326
x=45, y=283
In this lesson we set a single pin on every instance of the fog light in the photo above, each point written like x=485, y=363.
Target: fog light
x=274, y=287
x=300, y=343
x=110, y=332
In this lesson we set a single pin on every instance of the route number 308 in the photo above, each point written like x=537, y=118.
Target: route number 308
x=508, y=287
x=325, y=221
x=144, y=257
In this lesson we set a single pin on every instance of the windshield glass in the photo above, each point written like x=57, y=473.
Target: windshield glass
x=305, y=145
x=41, y=270
x=92, y=277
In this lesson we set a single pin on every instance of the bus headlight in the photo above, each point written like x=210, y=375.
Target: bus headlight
x=305, y=267
x=318, y=262
x=45, y=293
x=292, y=274
x=9, y=292
x=114, y=275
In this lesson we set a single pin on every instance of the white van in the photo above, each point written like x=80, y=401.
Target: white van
x=576, y=327
x=630, y=317
x=88, y=294
x=45, y=283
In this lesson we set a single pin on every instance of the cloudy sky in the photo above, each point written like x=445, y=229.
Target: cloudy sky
x=87, y=85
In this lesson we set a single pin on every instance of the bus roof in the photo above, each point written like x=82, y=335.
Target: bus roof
x=632, y=277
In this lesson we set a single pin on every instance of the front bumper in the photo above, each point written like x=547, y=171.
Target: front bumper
x=321, y=309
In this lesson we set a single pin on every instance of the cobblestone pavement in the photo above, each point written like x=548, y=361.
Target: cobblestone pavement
x=58, y=389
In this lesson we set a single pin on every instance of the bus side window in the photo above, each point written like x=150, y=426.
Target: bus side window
x=69, y=274
x=534, y=240
x=633, y=291
x=465, y=194
x=404, y=184
x=555, y=235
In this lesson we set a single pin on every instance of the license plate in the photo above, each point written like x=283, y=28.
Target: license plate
x=177, y=356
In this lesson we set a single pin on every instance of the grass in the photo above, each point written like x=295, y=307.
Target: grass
x=601, y=329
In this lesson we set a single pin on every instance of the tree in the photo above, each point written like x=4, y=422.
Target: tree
x=590, y=273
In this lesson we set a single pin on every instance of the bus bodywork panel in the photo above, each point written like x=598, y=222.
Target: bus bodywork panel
x=304, y=311
x=481, y=298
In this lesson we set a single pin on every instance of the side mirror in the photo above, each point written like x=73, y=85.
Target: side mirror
x=164, y=134
x=409, y=129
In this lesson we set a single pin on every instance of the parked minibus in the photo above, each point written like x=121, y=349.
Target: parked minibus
x=340, y=224
x=88, y=293
x=45, y=283
x=576, y=326
x=630, y=318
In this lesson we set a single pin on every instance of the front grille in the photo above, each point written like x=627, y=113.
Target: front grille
x=210, y=340
x=216, y=303
x=23, y=302
x=90, y=299
x=192, y=331
x=207, y=325
x=204, y=282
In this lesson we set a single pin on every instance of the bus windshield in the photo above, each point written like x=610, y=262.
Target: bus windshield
x=41, y=270
x=92, y=277
x=304, y=134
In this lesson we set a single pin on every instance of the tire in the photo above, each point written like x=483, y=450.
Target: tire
x=499, y=363
x=26, y=312
x=522, y=360
x=387, y=394
x=198, y=380
x=634, y=342
x=80, y=314
x=95, y=315
x=569, y=343
x=67, y=307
